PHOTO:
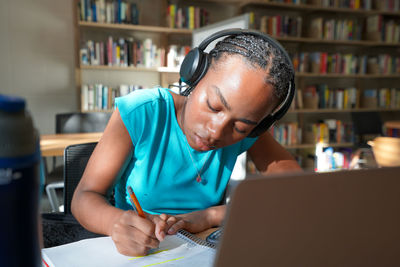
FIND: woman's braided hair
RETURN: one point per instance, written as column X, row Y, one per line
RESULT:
column 259, row 53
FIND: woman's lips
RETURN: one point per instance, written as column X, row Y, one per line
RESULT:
column 201, row 143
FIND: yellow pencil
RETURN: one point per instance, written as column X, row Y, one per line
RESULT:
column 135, row 203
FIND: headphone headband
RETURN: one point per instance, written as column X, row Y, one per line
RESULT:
column 237, row 31
column 196, row 63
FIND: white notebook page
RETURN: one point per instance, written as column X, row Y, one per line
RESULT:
column 175, row 250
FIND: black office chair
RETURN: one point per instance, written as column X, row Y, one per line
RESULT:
column 61, row 228
column 75, row 122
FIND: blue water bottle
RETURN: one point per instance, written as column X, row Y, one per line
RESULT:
column 19, row 185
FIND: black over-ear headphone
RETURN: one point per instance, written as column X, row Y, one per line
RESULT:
column 196, row 63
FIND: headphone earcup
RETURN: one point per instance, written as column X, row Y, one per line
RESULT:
column 263, row 126
column 194, row 66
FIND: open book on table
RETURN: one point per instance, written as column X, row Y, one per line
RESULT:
column 182, row 249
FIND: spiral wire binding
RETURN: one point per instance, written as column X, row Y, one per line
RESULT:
column 196, row 239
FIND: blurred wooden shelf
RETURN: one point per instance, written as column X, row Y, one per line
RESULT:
column 335, row 42
column 131, row 27
column 318, row 8
column 120, row 68
column 332, row 110
column 339, row 75
column 307, row 146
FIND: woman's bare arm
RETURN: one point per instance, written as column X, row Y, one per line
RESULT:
column 89, row 204
column 270, row 157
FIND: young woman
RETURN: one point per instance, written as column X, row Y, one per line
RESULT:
column 179, row 151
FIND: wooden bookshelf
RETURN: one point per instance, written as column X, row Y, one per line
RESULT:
column 339, row 75
column 134, row 69
column 156, row 27
column 298, row 40
column 130, row 27
column 298, row 74
column 308, row 146
column 317, row 8
column 335, row 42
column 331, row 110
column 117, row 68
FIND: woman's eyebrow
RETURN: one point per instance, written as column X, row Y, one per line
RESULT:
column 228, row 107
column 221, row 97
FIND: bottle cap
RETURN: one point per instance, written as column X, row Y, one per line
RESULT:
column 17, row 134
column 11, row 103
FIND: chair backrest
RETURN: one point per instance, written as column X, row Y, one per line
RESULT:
column 76, row 158
column 81, row 122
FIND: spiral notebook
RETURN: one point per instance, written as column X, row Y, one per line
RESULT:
column 182, row 249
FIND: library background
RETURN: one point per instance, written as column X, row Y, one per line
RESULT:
column 346, row 54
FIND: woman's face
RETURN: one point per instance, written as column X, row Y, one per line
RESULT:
column 227, row 104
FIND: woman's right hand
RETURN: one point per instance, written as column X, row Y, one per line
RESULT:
column 135, row 236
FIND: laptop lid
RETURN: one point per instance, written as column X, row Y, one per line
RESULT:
column 346, row 218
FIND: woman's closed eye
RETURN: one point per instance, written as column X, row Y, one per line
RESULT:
column 211, row 108
column 240, row 131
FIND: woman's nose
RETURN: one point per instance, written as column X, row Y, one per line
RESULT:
column 217, row 127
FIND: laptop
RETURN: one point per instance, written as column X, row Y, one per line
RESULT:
column 344, row 218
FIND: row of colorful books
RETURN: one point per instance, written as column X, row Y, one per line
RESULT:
column 281, row 25
column 323, row 62
column 327, row 131
column 388, row 5
column 331, row 131
column 286, row 133
column 188, row 17
column 384, row 5
column 289, row 1
column 384, row 64
column 381, row 98
column 336, row 29
column 126, row 52
column 391, row 132
column 380, row 29
column 353, row 4
column 321, row 96
column 100, row 97
column 116, row 11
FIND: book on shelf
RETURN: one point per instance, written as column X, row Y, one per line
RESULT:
column 391, row 128
column 286, row 133
column 320, row 96
column 329, row 131
column 374, row 27
column 310, row 97
column 281, row 25
column 387, row 5
column 124, row 52
column 352, row 4
column 289, row 1
column 186, row 17
column 339, row 63
column 335, row 29
column 336, row 98
column 316, row 28
column 103, row 11
column 99, row 97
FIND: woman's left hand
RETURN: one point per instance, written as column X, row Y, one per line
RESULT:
column 196, row 221
column 193, row 222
